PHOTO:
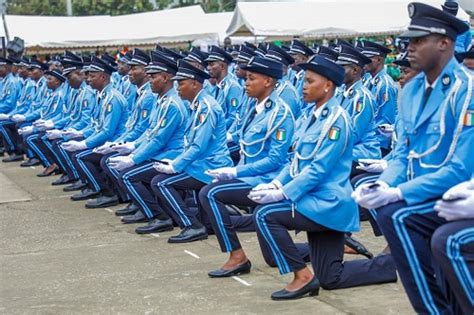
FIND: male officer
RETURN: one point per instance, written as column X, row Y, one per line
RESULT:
column 124, row 85
column 433, row 153
column 197, row 58
column 163, row 140
column 10, row 89
column 228, row 91
column 204, row 148
column 300, row 53
column 384, row 91
column 23, row 104
column 107, row 124
column 137, row 124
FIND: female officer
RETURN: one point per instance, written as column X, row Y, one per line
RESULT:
column 312, row 194
column 265, row 138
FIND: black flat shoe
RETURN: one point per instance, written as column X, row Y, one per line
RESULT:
column 312, row 288
column 77, row 185
column 102, row 202
column 189, row 234
column 13, row 158
column 63, row 180
column 138, row 217
column 130, row 209
column 154, row 226
column 85, row 194
column 30, row 162
column 237, row 270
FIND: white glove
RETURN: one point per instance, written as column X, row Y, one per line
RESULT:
column 73, row 145
column 457, row 209
column 4, row 116
column 372, row 166
column 275, row 184
column 461, row 190
column 38, row 122
column 121, row 162
column 53, row 134
column 266, row 196
column 72, row 133
column 48, row 124
column 386, row 130
column 106, row 148
column 164, row 168
column 229, row 137
column 18, row 118
column 223, row 173
column 124, row 148
column 26, row 130
column 373, row 198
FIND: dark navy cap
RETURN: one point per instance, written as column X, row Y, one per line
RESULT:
column 24, row 62
column 70, row 56
column 426, row 20
column 259, row 52
column 298, row 47
column 245, row 54
column 71, row 66
column 15, row 60
column 339, row 43
column 160, row 62
column 372, row 49
column 57, row 74
column 402, row 60
column 109, row 59
column 5, row 61
column 280, row 55
column 139, row 58
column 175, row 55
column 314, row 47
column 263, row 47
column 249, row 45
column 219, row 54
column 326, row 68
column 265, row 66
column 35, row 63
column 451, row 7
column 465, row 55
column 188, row 72
column 125, row 58
column 327, row 53
column 351, row 55
column 196, row 55
column 100, row 65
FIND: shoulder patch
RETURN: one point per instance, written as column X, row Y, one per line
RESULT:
column 334, row 133
column 202, row 117
column 234, row 102
column 281, row 134
column 469, row 118
column 109, row 108
column 163, row 122
column 144, row 113
column 359, row 107
column 446, row 80
column 268, row 104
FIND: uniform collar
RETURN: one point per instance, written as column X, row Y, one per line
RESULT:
column 261, row 106
column 168, row 93
column 195, row 103
column 222, row 84
column 376, row 77
column 143, row 88
column 349, row 91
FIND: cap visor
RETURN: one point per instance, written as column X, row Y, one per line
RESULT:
column 414, row 34
column 180, row 78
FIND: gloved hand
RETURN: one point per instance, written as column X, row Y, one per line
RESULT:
column 53, row 134
column 72, row 133
column 275, row 184
column 386, row 130
column 372, row 166
column 461, row 190
column 459, row 209
column 229, row 137
column 124, row 148
column 106, row 148
column 164, row 168
column 266, row 196
column 4, row 116
column 48, row 124
column 18, row 118
column 73, row 145
column 25, row 131
column 121, row 162
column 372, row 198
column 223, row 173
column 38, row 122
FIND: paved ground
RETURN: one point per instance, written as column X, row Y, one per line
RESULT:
column 56, row 257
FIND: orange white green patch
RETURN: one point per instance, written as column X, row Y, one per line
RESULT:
column 334, row 133
column 359, row 107
column 109, row 108
column 281, row 134
column 202, row 118
column 163, row 122
column 469, row 118
column 144, row 113
column 234, row 102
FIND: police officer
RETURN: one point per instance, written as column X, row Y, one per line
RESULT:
column 433, row 153
column 205, row 148
column 464, row 40
column 107, row 124
column 384, row 91
column 468, row 59
column 228, row 90
column 163, row 140
column 197, row 58
column 301, row 54
column 265, row 138
column 7, row 126
column 312, row 194
column 124, row 85
column 10, row 90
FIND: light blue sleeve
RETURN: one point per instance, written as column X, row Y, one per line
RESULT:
column 107, row 131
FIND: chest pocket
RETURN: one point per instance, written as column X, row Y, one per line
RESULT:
column 433, row 128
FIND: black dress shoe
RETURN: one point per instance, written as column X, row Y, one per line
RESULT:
column 30, row 162
column 138, row 217
column 77, row 185
column 128, row 210
column 13, row 158
column 188, row 234
column 312, row 288
column 102, row 202
column 50, row 170
column 85, row 194
column 357, row 246
column 63, row 180
column 154, row 226
column 237, row 270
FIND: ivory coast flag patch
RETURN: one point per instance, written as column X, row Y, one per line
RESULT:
column 109, row 108
column 144, row 113
column 234, row 102
column 202, row 118
column 281, row 134
column 359, row 107
column 163, row 122
column 334, row 133
column 469, row 118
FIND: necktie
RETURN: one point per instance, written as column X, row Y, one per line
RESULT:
column 426, row 96
column 311, row 121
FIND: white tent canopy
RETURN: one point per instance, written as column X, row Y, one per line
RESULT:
column 167, row 26
column 323, row 18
